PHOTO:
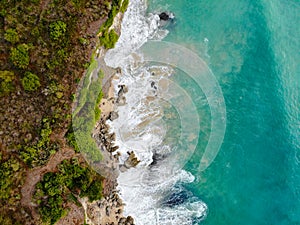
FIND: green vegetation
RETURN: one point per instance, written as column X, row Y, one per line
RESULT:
column 8, row 169
column 20, row 56
column 7, row 76
column 39, row 153
column 11, row 35
column 124, row 6
column 57, row 30
column 4, row 219
column 6, row 82
column 109, row 39
column 30, row 82
column 83, row 41
column 45, row 48
column 72, row 140
column 72, row 179
column 87, row 113
column 12, row 175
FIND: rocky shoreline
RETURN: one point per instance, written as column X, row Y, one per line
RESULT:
column 108, row 210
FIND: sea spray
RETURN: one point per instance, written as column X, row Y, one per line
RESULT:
column 136, row 29
column 141, row 127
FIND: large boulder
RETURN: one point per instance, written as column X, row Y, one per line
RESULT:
column 164, row 16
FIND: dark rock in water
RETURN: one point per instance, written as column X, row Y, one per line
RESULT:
column 113, row 115
column 131, row 161
column 156, row 157
column 164, row 16
column 176, row 199
column 153, row 85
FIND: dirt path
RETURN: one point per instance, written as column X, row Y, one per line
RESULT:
column 34, row 176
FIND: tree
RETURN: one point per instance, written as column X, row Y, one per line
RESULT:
column 7, row 76
column 108, row 40
column 30, row 82
column 20, row 56
column 11, row 36
column 6, row 82
column 57, row 30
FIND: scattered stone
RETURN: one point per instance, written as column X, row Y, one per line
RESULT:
column 107, row 210
column 131, row 161
column 115, row 148
column 113, row 115
column 121, row 101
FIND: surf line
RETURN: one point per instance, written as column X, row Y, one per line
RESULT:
column 189, row 62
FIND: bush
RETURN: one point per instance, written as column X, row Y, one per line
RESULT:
column 71, row 179
column 6, row 85
column 72, row 140
column 39, row 153
column 30, row 82
column 124, row 6
column 57, row 30
column 11, row 36
column 94, row 191
column 83, row 41
column 108, row 40
column 10, row 172
column 20, row 56
column 7, row 76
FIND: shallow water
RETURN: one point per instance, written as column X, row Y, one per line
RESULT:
column 252, row 49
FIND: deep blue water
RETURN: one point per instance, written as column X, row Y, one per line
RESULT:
column 253, row 49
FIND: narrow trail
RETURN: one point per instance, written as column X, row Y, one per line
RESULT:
column 33, row 176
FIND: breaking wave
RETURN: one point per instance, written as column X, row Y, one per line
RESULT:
column 159, row 122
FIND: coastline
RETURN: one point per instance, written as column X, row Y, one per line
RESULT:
column 108, row 210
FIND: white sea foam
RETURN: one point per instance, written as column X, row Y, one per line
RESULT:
column 137, row 28
column 141, row 128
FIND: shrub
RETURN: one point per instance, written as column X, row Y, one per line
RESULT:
column 20, row 56
column 124, row 6
column 71, row 179
column 30, row 82
column 6, row 85
column 94, row 191
column 83, row 41
column 11, row 36
column 108, row 40
column 57, row 30
column 7, row 76
column 39, row 153
column 72, row 140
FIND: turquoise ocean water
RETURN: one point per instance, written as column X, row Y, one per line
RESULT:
column 253, row 49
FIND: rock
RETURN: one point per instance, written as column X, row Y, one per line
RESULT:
column 123, row 89
column 119, row 211
column 119, row 203
column 112, row 116
column 131, row 161
column 113, row 137
column 129, row 220
column 122, row 220
column 121, row 101
column 122, row 168
column 115, row 148
column 164, row 16
column 107, row 210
